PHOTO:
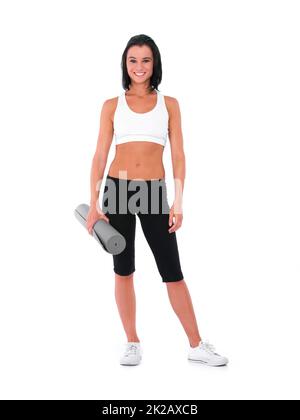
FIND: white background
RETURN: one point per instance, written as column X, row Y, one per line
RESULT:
column 234, row 68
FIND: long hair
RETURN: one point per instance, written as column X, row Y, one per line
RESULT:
column 156, row 77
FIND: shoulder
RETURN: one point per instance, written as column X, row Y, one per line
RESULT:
column 109, row 106
column 110, row 103
column 172, row 105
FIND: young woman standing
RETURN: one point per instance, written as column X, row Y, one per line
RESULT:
column 142, row 119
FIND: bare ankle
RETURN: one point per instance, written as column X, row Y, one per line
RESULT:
column 133, row 339
column 195, row 343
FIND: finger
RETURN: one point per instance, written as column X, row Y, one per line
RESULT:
column 177, row 224
column 173, row 228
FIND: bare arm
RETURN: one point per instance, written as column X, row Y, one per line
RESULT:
column 178, row 162
column 100, row 156
column 177, row 151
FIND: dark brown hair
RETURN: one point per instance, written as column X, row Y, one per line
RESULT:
column 156, row 77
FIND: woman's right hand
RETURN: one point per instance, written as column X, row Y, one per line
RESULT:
column 95, row 213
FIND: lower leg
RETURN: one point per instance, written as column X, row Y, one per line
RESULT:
column 125, row 299
column 181, row 302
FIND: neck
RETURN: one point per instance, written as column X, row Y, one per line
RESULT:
column 139, row 90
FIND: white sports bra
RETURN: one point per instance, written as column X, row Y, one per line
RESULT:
column 149, row 126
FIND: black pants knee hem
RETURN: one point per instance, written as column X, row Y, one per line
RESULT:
column 172, row 281
column 124, row 273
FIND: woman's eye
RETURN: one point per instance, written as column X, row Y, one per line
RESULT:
column 133, row 61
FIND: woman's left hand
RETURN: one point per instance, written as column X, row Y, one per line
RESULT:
column 177, row 214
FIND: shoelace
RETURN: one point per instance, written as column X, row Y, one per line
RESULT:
column 209, row 347
column 131, row 349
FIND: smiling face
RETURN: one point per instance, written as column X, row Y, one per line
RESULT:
column 140, row 64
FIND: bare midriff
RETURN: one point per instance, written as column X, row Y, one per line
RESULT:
column 138, row 160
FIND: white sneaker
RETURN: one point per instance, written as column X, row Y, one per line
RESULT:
column 132, row 354
column 204, row 353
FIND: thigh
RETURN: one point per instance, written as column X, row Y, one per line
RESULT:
column 163, row 244
column 124, row 263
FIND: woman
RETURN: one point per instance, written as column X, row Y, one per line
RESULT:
column 142, row 118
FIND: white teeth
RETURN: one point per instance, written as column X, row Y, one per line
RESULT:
column 140, row 74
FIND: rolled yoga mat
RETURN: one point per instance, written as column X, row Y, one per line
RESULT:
column 109, row 238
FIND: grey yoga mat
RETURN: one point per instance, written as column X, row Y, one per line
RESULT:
column 109, row 238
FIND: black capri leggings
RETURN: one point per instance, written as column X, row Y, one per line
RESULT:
column 122, row 200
